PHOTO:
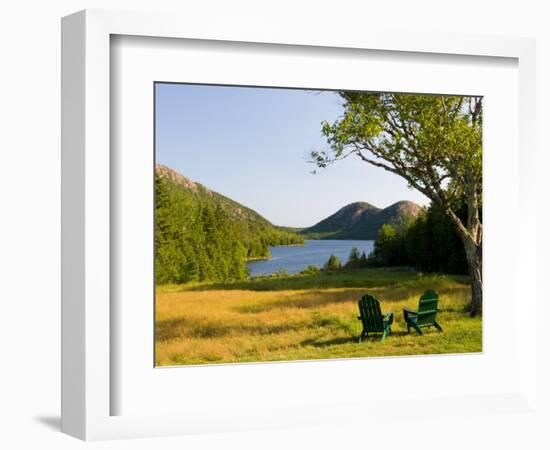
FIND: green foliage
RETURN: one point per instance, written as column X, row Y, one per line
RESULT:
column 333, row 263
column 354, row 259
column 388, row 246
column 429, row 244
column 405, row 278
column 203, row 236
column 310, row 270
column 432, row 141
column 194, row 241
column 364, row 260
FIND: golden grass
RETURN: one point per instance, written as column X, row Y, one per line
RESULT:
column 201, row 326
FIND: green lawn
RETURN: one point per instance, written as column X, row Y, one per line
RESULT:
column 306, row 317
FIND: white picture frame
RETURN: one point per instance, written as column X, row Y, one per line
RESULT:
column 88, row 329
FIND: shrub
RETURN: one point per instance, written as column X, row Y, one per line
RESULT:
column 354, row 259
column 310, row 270
column 333, row 263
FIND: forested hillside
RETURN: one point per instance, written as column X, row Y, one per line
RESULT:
column 429, row 244
column 201, row 235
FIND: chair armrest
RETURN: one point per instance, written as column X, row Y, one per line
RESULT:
column 410, row 311
column 389, row 317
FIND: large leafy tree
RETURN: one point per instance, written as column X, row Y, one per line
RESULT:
column 433, row 142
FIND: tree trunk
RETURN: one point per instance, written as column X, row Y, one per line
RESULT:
column 472, row 237
column 475, row 261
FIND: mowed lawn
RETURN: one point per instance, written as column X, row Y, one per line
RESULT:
column 306, row 317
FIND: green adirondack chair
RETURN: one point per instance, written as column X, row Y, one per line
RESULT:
column 372, row 318
column 426, row 314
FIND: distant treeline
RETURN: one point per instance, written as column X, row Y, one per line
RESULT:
column 198, row 240
column 429, row 244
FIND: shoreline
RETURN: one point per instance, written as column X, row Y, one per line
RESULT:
column 265, row 258
column 258, row 258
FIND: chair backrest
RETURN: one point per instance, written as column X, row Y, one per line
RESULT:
column 371, row 315
column 427, row 308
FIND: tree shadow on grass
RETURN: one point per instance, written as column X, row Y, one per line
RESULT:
column 167, row 330
column 360, row 278
column 372, row 337
column 400, row 333
column 351, row 278
column 310, row 299
column 328, row 343
column 350, row 340
column 319, row 297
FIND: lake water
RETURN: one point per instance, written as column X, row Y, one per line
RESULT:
column 313, row 252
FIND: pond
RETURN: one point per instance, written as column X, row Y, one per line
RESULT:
column 294, row 259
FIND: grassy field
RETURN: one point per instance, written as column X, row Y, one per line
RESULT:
column 306, row 317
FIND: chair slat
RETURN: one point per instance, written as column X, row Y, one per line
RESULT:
column 371, row 316
column 426, row 314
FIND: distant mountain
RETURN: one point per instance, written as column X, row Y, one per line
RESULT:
column 361, row 220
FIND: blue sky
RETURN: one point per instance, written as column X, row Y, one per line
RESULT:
column 253, row 145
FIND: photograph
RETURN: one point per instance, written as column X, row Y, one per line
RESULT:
column 296, row 224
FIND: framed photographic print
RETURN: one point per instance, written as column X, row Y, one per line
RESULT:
column 299, row 267
column 281, row 225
